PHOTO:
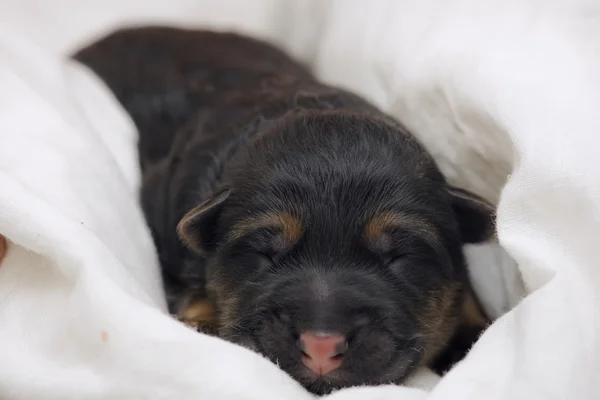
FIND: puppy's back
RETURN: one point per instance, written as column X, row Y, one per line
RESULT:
column 164, row 76
column 197, row 98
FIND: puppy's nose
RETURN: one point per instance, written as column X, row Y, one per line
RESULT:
column 322, row 353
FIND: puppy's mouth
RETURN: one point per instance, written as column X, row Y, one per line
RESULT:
column 350, row 371
column 321, row 386
column 394, row 372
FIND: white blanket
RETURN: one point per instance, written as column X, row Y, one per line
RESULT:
column 493, row 87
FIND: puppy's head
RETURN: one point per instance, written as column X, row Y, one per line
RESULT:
column 335, row 249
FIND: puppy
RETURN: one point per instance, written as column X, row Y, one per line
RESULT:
column 291, row 217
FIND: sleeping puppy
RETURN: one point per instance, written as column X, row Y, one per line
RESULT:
column 292, row 217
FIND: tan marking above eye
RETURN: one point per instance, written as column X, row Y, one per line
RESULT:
column 291, row 227
column 382, row 222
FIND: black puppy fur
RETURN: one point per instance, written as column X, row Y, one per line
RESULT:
column 301, row 206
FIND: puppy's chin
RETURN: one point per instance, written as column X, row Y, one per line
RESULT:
column 389, row 364
column 322, row 385
column 401, row 370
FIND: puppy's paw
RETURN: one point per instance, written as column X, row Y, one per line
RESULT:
column 198, row 314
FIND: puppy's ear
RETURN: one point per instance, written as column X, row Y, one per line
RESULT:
column 197, row 228
column 475, row 216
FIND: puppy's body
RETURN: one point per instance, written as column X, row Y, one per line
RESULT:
column 196, row 98
column 310, row 214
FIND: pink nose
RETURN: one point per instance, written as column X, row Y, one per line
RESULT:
column 322, row 353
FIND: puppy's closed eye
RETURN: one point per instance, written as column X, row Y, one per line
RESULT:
column 264, row 261
column 397, row 264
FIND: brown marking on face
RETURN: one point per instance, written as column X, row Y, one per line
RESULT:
column 439, row 318
column 291, row 227
column 104, row 336
column 471, row 323
column 3, row 247
column 381, row 223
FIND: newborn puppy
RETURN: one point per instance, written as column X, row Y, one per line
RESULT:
column 294, row 218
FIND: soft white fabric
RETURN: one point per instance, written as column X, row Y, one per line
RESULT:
column 492, row 87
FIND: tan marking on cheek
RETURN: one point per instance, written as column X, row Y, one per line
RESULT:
column 382, row 222
column 291, row 227
column 439, row 319
column 104, row 336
